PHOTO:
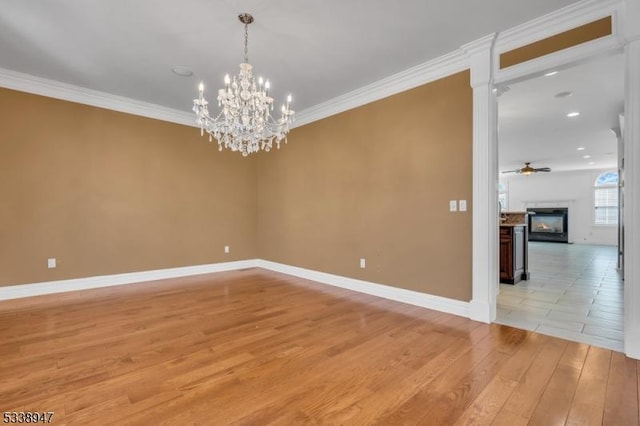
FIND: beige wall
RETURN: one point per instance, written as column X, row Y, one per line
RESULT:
column 375, row 182
column 106, row 192
column 582, row 34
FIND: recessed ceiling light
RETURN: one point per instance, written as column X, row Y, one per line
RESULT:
column 573, row 114
column 550, row 73
column 591, row 163
column 586, row 156
column 563, row 95
column 182, row 71
column 580, row 148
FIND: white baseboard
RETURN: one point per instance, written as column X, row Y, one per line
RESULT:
column 482, row 311
column 61, row 286
column 415, row 298
column 437, row 303
column 632, row 343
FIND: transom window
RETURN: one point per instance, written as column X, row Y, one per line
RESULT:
column 606, row 198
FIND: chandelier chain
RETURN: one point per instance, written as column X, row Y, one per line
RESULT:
column 246, row 43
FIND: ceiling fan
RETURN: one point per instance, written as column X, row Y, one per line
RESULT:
column 528, row 170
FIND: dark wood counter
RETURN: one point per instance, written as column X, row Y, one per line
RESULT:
column 514, row 253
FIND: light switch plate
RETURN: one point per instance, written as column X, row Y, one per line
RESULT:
column 463, row 205
column 453, row 206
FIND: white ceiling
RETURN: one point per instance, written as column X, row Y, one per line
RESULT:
column 315, row 49
column 533, row 124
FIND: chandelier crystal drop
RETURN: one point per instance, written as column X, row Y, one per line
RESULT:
column 245, row 122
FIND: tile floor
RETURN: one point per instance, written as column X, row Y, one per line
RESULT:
column 575, row 292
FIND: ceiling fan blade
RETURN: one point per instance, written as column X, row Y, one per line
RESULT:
column 543, row 169
column 512, row 171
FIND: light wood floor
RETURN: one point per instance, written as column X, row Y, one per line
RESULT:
column 256, row 347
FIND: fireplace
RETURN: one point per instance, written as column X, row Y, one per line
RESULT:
column 549, row 224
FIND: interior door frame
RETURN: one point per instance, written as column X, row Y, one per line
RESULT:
column 485, row 144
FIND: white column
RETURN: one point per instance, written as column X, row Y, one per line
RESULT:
column 485, row 182
column 631, row 207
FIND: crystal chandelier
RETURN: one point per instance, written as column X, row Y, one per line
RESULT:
column 244, row 122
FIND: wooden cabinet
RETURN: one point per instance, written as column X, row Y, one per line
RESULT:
column 513, row 254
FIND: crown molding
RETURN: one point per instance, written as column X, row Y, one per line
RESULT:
column 537, row 29
column 68, row 92
column 408, row 79
column 480, row 45
column 481, row 59
column 561, row 20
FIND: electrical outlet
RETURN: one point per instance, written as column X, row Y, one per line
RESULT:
column 453, row 206
column 51, row 263
column 363, row 263
column 463, row 205
column 226, row 249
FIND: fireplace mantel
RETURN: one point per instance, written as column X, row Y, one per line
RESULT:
column 548, row 203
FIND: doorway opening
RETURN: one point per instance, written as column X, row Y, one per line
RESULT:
column 566, row 120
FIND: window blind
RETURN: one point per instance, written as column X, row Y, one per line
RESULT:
column 606, row 205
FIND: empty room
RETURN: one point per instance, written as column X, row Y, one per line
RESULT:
column 291, row 213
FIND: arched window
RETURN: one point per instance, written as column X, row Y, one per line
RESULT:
column 606, row 198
